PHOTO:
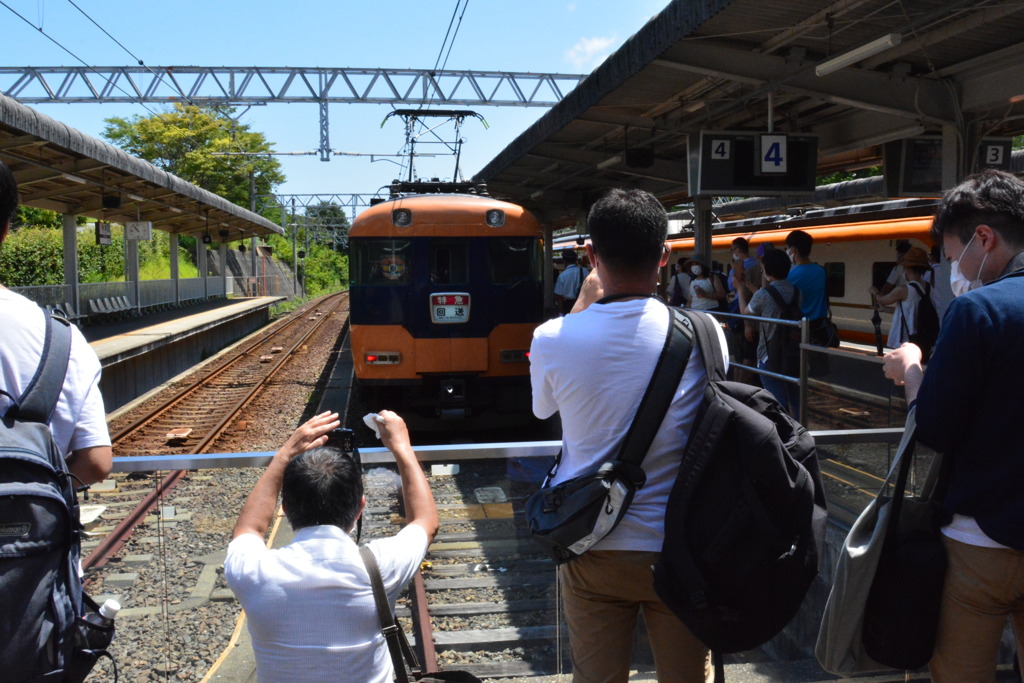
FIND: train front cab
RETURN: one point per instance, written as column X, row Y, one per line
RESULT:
column 443, row 309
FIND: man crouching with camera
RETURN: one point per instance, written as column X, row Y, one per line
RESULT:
column 309, row 604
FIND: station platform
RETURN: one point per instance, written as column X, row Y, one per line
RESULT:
column 141, row 353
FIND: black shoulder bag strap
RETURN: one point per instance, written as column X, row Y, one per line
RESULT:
column 398, row 646
column 657, row 398
column 40, row 397
column 783, row 305
column 661, row 390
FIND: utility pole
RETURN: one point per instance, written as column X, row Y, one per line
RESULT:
column 295, row 254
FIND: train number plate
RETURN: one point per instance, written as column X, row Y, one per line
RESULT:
column 449, row 307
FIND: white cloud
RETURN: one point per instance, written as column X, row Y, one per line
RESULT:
column 586, row 54
column 571, row 7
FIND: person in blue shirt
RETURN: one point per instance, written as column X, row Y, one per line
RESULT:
column 969, row 405
column 810, row 279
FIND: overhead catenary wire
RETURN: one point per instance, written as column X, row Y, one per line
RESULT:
column 84, row 63
column 141, row 63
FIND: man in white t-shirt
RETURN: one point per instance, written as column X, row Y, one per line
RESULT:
column 79, row 423
column 593, row 367
column 310, row 605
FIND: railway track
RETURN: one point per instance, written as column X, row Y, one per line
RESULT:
column 193, row 419
column 486, row 600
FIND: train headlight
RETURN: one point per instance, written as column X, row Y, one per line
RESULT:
column 495, row 218
column 402, row 218
column 383, row 358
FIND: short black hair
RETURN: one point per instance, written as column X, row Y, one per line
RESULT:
column 801, row 241
column 776, row 264
column 741, row 244
column 628, row 229
column 569, row 255
column 8, row 197
column 902, row 247
column 992, row 197
column 322, row 486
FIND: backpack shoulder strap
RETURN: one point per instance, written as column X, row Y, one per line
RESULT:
column 662, row 388
column 707, row 341
column 38, row 401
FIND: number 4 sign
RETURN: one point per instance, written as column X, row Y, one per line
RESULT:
column 773, row 153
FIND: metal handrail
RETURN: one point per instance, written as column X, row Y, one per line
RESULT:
column 805, row 338
column 453, row 453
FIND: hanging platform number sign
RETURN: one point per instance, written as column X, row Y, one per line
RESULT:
column 449, row 307
column 774, row 154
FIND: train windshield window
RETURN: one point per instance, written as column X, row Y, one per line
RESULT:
column 835, row 280
column 381, row 262
column 512, row 260
column 449, row 262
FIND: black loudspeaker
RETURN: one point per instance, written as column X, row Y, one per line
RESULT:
column 640, row 157
column 111, row 202
column 207, row 239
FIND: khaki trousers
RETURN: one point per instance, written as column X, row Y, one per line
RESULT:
column 603, row 592
column 983, row 587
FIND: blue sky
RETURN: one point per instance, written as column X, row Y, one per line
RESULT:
column 523, row 35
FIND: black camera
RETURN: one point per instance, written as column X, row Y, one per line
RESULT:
column 345, row 441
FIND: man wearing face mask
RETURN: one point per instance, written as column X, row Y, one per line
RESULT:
column 969, row 405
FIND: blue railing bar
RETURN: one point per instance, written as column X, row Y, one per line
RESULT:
column 445, row 453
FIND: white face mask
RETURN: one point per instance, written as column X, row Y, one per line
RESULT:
column 695, row 270
column 957, row 281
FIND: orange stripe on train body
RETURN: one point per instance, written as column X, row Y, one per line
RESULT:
column 439, row 355
column 892, row 228
column 447, row 215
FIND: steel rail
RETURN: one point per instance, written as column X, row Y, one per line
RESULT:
column 189, row 390
column 112, row 543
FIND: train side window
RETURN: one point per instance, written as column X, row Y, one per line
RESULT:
column 511, row 260
column 381, row 262
column 449, row 262
column 835, row 279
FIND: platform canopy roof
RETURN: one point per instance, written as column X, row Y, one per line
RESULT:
column 725, row 64
column 64, row 170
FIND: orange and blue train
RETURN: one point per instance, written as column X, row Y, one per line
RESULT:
column 446, row 290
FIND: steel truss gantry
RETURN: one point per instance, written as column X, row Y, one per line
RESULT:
column 254, row 85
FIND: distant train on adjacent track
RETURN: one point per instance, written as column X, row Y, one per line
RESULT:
column 446, row 290
column 855, row 245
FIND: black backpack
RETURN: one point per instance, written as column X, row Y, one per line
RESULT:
column 927, row 321
column 784, row 342
column 745, row 521
column 43, row 633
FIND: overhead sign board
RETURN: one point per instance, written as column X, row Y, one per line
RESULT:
column 103, row 234
column 750, row 164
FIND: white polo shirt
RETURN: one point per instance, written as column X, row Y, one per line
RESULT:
column 310, row 606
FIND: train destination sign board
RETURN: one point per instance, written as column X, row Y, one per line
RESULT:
column 449, row 307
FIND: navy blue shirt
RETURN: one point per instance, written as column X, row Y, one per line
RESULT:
column 971, row 405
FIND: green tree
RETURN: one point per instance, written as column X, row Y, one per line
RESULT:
column 35, row 256
column 183, row 141
column 840, row 176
